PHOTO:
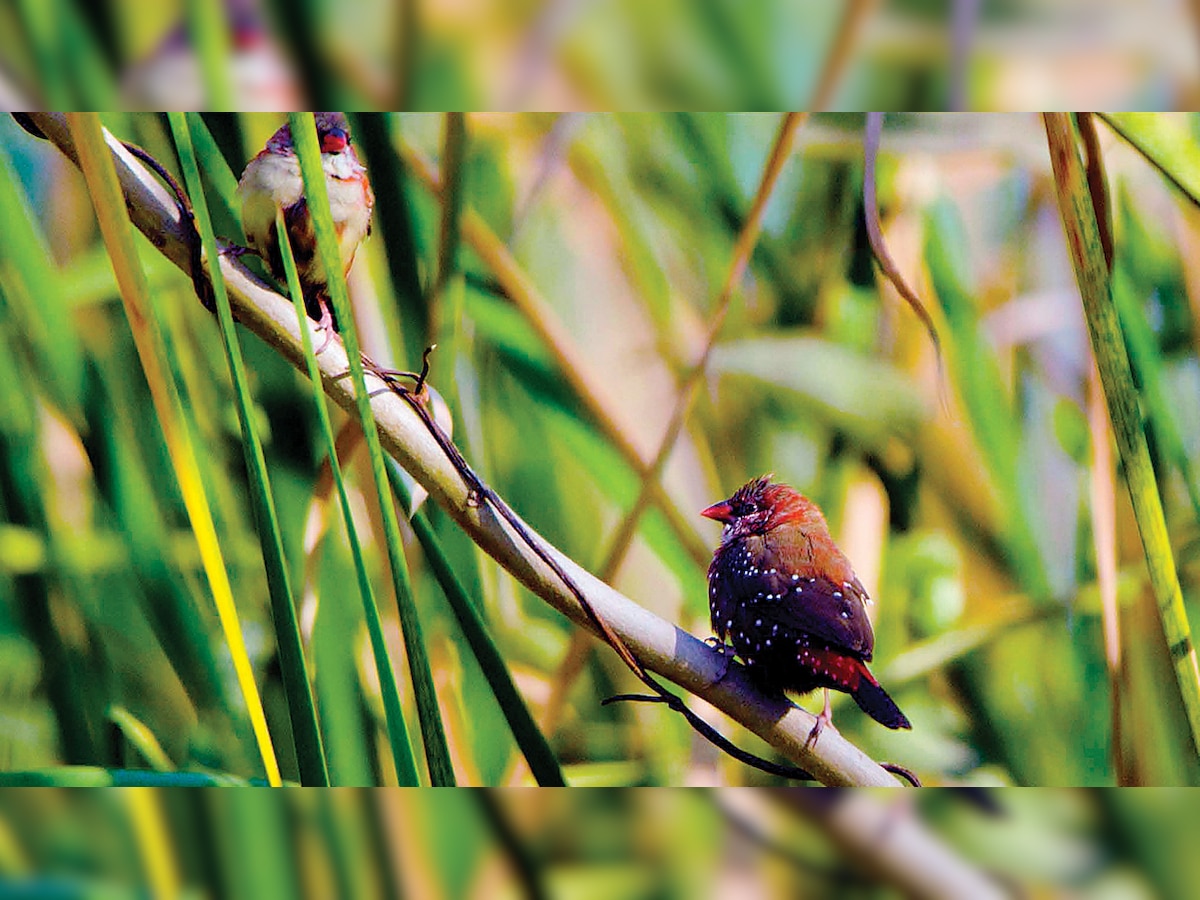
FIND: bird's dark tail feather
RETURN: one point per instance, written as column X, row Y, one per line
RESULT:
column 874, row 701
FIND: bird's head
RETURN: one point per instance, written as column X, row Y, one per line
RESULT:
column 760, row 506
column 333, row 131
column 333, row 134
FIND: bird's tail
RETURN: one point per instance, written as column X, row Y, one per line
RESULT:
column 875, row 702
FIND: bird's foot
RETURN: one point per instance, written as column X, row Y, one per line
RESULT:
column 819, row 726
column 387, row 376
column 824, row 720
column 725, row 651
column 326, row 325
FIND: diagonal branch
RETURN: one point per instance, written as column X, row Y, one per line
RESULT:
column 657, row 644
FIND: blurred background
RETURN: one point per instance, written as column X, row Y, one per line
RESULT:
column 582, row 845
column 569, row 275
column 600, row 54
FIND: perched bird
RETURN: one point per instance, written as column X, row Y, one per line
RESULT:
column 272, row 181
column 787, row 599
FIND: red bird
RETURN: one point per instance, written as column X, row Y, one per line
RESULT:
column 272, row 181
column 786, row 597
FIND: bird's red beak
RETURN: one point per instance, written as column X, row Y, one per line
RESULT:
column 722, row 512
column 334, row 141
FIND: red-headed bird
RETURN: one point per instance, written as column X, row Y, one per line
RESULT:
column 272, row 181
column 787, row 599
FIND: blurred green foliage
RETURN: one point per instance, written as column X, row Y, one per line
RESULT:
column 616, row 54
column 964, row 505
column 589, row 844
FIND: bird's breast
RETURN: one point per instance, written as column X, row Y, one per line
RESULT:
column 272, row 175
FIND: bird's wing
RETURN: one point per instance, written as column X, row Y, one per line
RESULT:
column 788, row 592
column 814, row 605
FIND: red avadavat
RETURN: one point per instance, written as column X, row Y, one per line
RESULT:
column 787, row 599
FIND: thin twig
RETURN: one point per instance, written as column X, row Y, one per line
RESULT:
column 841, row 50
column 874, row 131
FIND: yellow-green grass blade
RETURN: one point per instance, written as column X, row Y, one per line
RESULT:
column 171, row 599
column 152, row 836
column 536, row 749
column 92, row 82
column 41, row 32
column 208, row 29
column 310, row 752
column 142, row 738
column 94, row 776
column 107, row 198
column 977, row 376
column 254, row 848
column 217, row 172
column 1167, row 141
column 35, row 298
column 1148, row 364
column 401, row 745
column 304, row 136
column 394, row 226
column 1108, row 344
column 70, row 67
column 22, row 477
column 454, row 144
